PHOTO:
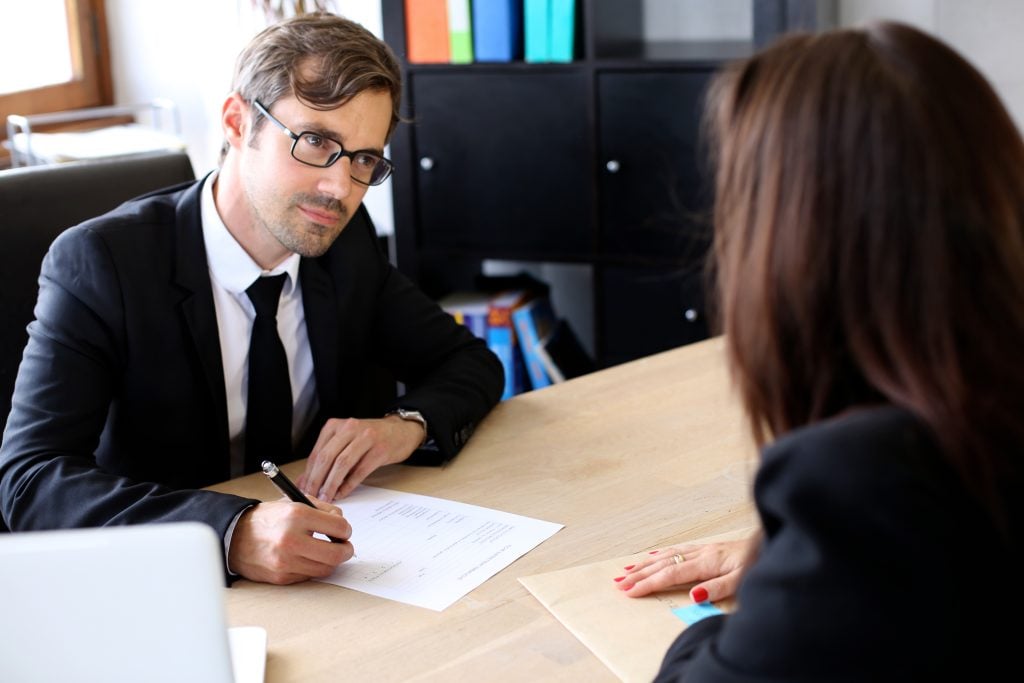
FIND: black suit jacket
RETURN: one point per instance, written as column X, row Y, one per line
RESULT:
column 119, row 410
column 876, row 566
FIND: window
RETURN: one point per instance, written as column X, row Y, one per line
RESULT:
column 55, row 57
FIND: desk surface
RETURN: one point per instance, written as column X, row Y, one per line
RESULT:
column 628, row 459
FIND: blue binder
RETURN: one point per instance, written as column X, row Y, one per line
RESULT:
column 497, row 30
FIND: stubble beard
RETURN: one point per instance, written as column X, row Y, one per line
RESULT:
column 299, row 234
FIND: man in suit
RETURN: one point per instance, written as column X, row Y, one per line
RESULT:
column 149, row 372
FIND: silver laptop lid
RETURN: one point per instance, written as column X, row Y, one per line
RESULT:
column 133, row 603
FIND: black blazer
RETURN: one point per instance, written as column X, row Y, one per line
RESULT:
column 119, row 410
column 876, row 566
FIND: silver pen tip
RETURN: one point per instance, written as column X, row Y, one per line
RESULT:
column 269, row 468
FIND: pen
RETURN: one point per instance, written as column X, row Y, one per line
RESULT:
column 285, row 486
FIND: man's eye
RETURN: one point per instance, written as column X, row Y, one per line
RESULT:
column 364, row 160
column 312, row 140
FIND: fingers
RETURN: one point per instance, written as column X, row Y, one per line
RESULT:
column 361, row 471
column 713, row 571
column 355, row 454
column 659, row 575
column 348, row 451
column 718, row 588
column 319, row 464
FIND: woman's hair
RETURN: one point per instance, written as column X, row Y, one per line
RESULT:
column 322, row 59
column 869, row 240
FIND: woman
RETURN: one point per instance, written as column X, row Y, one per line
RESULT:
column 870, row 260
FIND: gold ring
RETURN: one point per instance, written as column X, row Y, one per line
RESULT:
column 678, row 558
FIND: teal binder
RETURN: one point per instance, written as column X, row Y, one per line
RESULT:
column 537, row 34
column 561, row 29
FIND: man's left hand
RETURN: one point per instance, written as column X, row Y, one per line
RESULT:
column 348, row 450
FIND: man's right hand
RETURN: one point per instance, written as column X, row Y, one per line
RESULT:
column 273, row 542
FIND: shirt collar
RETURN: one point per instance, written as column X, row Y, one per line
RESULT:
column 229, row 263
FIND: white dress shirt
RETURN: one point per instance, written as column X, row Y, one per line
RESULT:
column 232, row 270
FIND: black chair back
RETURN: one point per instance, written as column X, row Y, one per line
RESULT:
column 37, row 203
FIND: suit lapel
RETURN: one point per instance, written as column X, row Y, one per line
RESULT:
column 323, row 326
column 193, row 276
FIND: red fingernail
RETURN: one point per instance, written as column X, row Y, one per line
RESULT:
column 629, row 568
column 654, row 552
column 699, row 594
column 618, row 578
column 628, row 586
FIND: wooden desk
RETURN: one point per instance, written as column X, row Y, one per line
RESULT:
column 628, row 459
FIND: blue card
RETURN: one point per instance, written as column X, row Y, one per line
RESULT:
column 691, row 614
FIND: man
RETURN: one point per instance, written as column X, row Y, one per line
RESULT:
column 139, row 384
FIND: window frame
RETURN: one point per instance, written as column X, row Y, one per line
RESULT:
column 91, row 85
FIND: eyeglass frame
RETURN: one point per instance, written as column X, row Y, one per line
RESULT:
column 295, row 137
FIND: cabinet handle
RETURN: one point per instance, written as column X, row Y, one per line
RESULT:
column 426, row 163
column 613, row 165
column 691, row 315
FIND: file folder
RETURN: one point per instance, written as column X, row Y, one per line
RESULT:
column 426, row 31
column 537, row 22
column 497, row 30
column 562, row 22
column 460, row 36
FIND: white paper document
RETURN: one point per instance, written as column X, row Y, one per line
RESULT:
column 429, row 551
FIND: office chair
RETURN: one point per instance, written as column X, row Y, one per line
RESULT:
column 37, row 203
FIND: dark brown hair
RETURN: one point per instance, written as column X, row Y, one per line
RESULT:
column 343, row 58
column 869, row 240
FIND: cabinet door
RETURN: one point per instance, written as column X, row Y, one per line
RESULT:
column 648, row 310
column 504, row 163
column 655, row 184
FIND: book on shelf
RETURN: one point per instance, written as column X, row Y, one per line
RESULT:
column 561, row 25
column 502, row 340
column 426, row 31
column 534, row 320
column 562, row 354
column 497, row 30
column 460, row 32
column 469, row 309
column 550, row 30
column 537, row 30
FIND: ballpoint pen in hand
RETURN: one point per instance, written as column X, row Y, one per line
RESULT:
column 285, row 486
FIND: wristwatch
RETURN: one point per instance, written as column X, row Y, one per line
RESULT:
column 412, row 416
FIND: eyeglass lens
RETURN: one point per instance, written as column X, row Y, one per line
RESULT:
column 317, row 150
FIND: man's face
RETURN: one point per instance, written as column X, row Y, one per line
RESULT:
column 303, row 207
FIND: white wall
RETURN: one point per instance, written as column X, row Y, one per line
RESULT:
column 986, row 32
column 698, row 20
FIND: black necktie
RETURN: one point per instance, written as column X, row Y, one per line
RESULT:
column 268, row 415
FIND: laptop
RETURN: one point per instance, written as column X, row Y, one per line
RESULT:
column 129, row 603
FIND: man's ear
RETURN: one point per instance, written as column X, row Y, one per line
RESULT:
column 234, row 120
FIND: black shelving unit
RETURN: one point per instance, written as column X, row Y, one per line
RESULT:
column 597, row 162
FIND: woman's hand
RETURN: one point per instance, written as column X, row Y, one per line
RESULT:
column 715, row 568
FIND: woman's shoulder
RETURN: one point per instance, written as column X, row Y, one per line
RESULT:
column 884, row 455
column 861, row 439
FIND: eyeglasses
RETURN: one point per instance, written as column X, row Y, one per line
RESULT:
column 314, row 149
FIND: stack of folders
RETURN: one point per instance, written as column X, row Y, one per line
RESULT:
column 535, row 347
column 464, row 31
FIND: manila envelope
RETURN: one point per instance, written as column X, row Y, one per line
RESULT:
column 629, row 635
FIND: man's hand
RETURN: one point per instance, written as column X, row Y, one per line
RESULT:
column 348, row 450
column 273, row 542
column 716, row 568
